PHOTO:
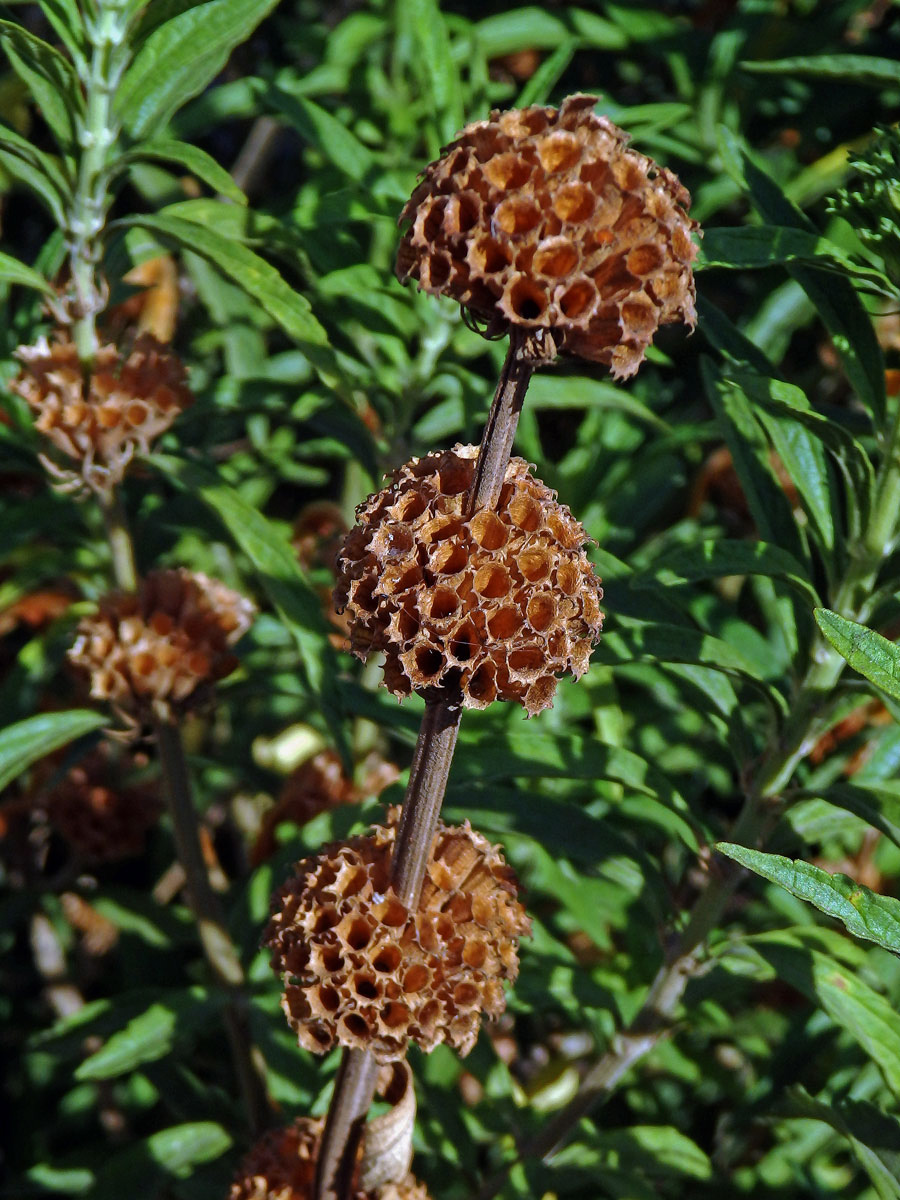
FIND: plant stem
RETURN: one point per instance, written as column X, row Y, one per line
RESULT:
column 221, row 955
column 809, row 718
column 425, row 794
column 355, row 1083
column 500, row 430
column 354, row 1087
column 98, row 131
column 120, row 544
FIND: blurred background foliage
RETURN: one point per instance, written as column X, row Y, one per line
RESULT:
column 776, row 1081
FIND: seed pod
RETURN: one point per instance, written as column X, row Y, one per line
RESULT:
column 542, row 218
column 498, row 604
column 282, row 1166
column 127, row 402
column 361, row 971
column 102, row 819
column 150, row 654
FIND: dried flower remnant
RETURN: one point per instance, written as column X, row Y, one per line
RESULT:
column 282, row 1166
column 102, row 818
column 542, row 218
column 126, row 402
column 361, row 971
column 155, row 652
column 497, row 605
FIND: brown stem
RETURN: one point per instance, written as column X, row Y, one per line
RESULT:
column 500, row 430
column 218, row 947
column 425, row 794
column 355, row 1083
column 354, row 1088
column 119, row 537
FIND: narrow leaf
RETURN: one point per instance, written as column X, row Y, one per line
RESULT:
column 13, row 271
column 848, row 68
column 865, row 650
column 257, row 278
column 25, row 742
column 863, row 912
column 49, row 78
column 835, row 298
column 320, row 129
column 179, row 58
column 713, row 559
column 197, row 161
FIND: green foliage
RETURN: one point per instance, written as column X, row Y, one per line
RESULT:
column 743, row 493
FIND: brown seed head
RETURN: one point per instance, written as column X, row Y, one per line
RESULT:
column 127, row 402
column 282, row 1166
column 149, row 653
column 361, row 971
column 542, row 218
column 500, row 603
column 99, row 816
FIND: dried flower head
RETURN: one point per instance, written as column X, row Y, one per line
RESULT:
column 281, row 1165
column 126, row 402
column 542, row 218
column 150, row 653
column 498, row 604
column 360, row 970
column 101, row 817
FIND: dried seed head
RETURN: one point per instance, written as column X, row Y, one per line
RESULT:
column 541, row 218
column 150, row 653
column 282, row 1166
column 361, row 971
column 127, row 402
column 102, row 819
column 500, row 603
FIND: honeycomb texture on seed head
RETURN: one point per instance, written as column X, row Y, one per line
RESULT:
column 498, row 604
column 543, row 218
column 361, row 971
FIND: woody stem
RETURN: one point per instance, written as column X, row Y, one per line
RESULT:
column 355, row 1083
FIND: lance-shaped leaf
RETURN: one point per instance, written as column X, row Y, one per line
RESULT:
column 865, row 650
column 35, row 737
column 863, row 912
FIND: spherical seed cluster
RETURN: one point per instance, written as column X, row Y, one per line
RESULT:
column 282, row 1166
column 500, row 603
column 127, row 402
column 100, row 819
column 360, row 970
column 542, row 218
column 150, row 652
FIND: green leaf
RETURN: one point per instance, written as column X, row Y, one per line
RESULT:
column 538, row 88
column 13, row 271
column 713, row 559
column 580, row 391
column 835, row 298
column 864, row 913
column 257, row 278
column 848, row 68
column 876, row 803
column 280, row 574
column 179, row 58
column 42, row 172
column 153, row 1034
column 866, row 1015
column 751, row 457
column 873, row 1135
column 657, row 1147
column 320, row 129
column 865, row 650
column 507, row 32
column 754, row 247
column 197, row 161
column 68, row 25
column 49, row 78
column 434, row 64
column 137, row 1171
column 25, row 742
